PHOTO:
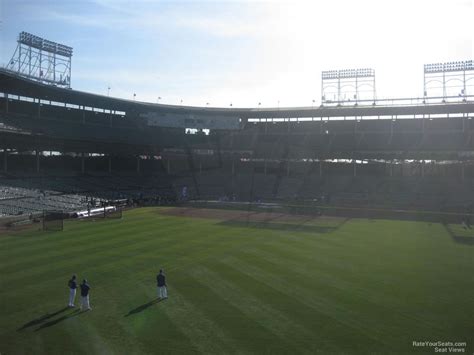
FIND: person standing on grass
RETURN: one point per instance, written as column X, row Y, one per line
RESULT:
column 72, row 284
column 161, row 283
column 85, row 296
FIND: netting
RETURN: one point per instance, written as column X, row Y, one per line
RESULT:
column 53, row 220
column 113, row 213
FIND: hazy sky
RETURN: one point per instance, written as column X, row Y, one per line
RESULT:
column 243, row 52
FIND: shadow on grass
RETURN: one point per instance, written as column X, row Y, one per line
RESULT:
column 458, row 238
column 41, row 319
column 143, row 307
column 75, row 313
column 280, row 226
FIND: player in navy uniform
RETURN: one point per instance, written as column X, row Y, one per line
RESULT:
column 85, row 296
column 72, row 284
column 161, row 283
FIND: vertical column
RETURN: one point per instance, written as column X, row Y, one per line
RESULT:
column 444, row 85
column 322, row 94
column 357, row 88
column 391, row 131
column 69, row 76
column 29, row 60
column 375, row 92
column 19, row 58
column 464, row 93
column 338, row 88
column 5, row 163
column 37, row 161
column 40, row 61
column 54, row 66
column 425, row 93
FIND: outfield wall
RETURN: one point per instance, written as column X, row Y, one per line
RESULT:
column 336, row 211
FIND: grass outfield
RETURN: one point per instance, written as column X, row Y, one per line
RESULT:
column 362, row 286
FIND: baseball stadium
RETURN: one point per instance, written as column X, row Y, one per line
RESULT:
column 338, row 228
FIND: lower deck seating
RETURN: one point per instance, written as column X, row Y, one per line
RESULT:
column 26, row 195
column 32, row 194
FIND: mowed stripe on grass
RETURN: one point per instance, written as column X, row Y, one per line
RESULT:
column 368, row 286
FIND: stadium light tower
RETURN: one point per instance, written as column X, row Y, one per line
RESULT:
column 358, row 84
column 448, row 79
column 39, row 59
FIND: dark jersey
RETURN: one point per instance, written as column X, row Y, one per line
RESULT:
column 84, row 290
column 160, row 280
column 72, row 284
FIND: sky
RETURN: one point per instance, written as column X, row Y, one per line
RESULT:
column 218, row 53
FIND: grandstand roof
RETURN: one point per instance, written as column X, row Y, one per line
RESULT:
column 14, row 84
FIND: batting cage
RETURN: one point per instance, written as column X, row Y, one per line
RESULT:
column 53, row 220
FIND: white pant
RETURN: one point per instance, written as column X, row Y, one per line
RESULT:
column 85, row 302
column 72, row 296
column 162, row 293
